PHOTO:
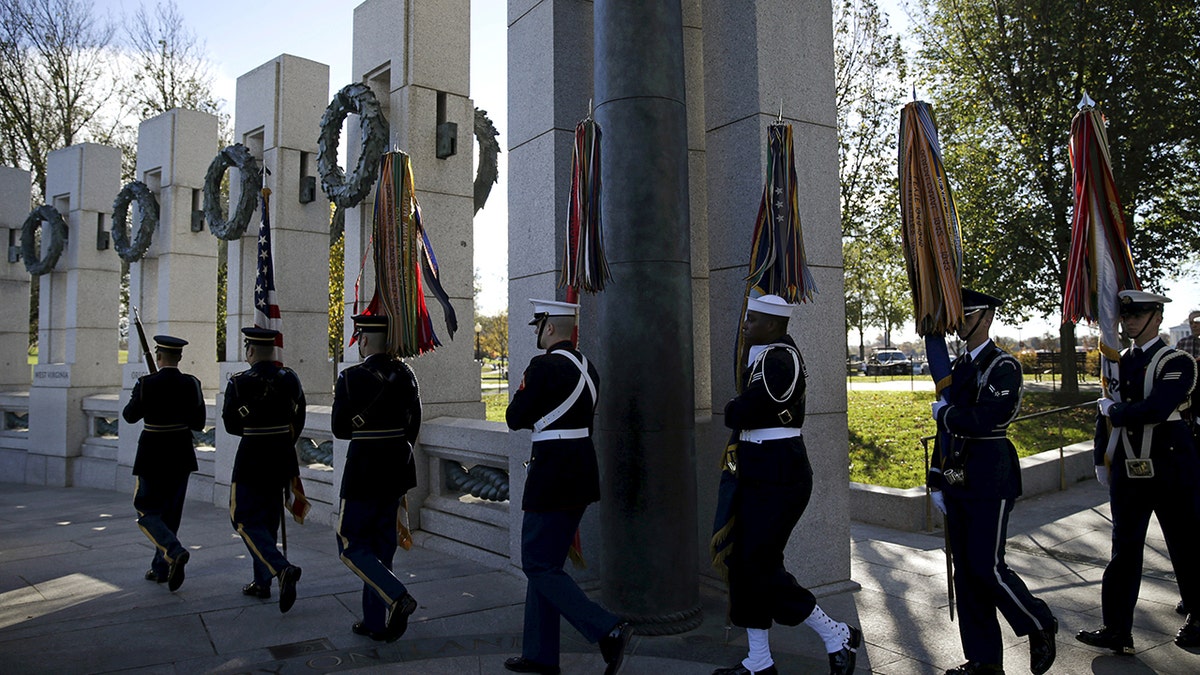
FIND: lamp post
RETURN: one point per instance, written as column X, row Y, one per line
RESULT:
column 478, row 330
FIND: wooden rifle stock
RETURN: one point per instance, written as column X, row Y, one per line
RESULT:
column 149, row 358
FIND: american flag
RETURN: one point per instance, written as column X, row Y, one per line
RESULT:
column 266, row 306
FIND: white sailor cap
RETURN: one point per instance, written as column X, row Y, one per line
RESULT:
column 1134, row 302
column 770, row 304
column 547, row 308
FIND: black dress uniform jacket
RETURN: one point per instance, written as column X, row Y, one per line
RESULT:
column 371, row 399
column 984, row 397
column 563, row 473
column 265, row 396
column 1172, row 384
column 756, row 408
column 171, row 400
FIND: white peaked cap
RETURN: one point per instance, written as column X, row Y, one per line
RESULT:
column 769, row 304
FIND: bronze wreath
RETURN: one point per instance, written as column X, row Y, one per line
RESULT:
column 347, row 191
column 147, row 221
column 34, row 263
column 235, row 155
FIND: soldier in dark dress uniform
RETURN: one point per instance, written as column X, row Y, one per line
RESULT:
column 772, row 482
column 975, row 478
column 376, row 404
column 172, row 404
column 1145, row 456
column 557, row 399
column 265, row 406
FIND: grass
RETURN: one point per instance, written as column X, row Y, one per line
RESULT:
column 495, row 404
column 886, row 429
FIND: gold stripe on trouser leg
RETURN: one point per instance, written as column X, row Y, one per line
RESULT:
column 242, row 533
column 345, row 545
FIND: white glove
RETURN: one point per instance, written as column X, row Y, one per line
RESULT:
column 937, row 406
column 1104, row 404
column 939, row 500
column 1102, row 472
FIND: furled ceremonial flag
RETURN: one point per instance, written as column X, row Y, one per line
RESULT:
column 402, row 254
column 1100, row 263
column 584, row 265
column 931, row 236
column 266, row 306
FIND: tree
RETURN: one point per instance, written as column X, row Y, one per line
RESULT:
column 54, row 78
column 869, row 66
column 493, row 339
column 1005, row 76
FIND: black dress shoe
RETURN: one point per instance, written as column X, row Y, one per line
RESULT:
column 1189, row 632
column 257, row 590
column 397, row 617
column 976, row 668
column 175, row 572
column 842, row 661
column 612, row 647
column 288, row 577
column 739, row 669
column 1107, row 638
column 1042, row 648
column 151, row 575
column 1181, row 609
column 520, row 664
column 360, row 628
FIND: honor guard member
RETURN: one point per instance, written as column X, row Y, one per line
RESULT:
column 376, row 404
column 975, row 478
column 557, row 399
column 1145, row 456
column 773, row 484
column 265, row 406
column 173, row 406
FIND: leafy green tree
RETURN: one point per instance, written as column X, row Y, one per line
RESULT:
column 869, row 66
column 1005, row 76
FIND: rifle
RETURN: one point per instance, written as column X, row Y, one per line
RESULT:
column 137, row 321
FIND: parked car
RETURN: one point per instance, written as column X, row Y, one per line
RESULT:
column 888, row 362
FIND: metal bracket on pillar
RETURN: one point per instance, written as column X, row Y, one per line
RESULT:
column 14, row 254
column 447, row 139
column 308, row 189
column 197, row 220
column 102, row 239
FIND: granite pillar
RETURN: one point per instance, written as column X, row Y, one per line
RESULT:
column 646, row 421
column 14, row 281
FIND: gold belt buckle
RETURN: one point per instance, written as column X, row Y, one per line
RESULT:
column 1139, row 468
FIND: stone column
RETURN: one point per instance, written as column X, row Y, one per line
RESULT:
column 754, row 56
column 646, row 421
column 77, row 318
column 14, row 280
column 415, row 56
column 548, row 93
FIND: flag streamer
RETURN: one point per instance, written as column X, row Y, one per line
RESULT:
column 777, row 262
column 584, row 265
column 1100, row 263
column 402, row 256
column 266, row 304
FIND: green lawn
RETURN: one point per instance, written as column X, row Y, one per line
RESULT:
column 495, row 404
column 886, row 429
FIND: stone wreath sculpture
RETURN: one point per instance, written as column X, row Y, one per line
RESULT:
column 347, row 191
column 147, row 221
column 57, row 237
column 488, row 172
column 235, row 155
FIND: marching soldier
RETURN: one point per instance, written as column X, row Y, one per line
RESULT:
column 377, row 405
column 1149, row 464
column 557, row 399
column 265, row 406
column 975, row 478
column 771, row 484
column 172, row 404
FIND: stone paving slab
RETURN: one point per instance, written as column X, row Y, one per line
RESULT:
column 72, row 600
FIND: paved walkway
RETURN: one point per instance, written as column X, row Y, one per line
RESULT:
column 72, row 600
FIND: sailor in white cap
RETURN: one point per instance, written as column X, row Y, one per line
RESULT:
column 1144, row 453
column 557, row 399
column 773, row 482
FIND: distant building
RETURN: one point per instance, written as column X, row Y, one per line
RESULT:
column 1179, row 332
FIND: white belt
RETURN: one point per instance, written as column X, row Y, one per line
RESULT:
column 770, row 434
column 555, row 434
